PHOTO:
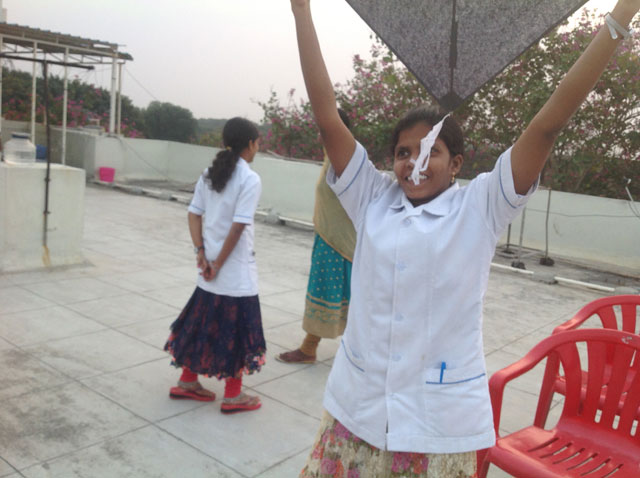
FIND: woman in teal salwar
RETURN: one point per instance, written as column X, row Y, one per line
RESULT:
column 329, row 288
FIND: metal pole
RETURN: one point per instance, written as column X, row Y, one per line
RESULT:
column 119, row 97
column 518, row 261
column 45, row 256
column 507, row 249
column 546, row 260
column 112, row 111
column 33, row 93
column 65, row 100
column 1, row 47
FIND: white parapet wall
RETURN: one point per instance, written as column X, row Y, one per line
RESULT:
column 288, row 186
column 585, row 228
column 582, row 228
column 22, row 202
column 148, row 159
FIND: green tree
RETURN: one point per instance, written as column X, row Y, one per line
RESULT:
column 598, row 149
column 292, row 129
column 85, row 102
column 211, row 138
column 169, row 122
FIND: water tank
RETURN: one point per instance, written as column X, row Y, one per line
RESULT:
column 19, row 149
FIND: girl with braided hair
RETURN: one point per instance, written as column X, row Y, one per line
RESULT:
column 219, row 332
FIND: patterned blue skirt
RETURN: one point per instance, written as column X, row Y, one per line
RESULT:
column 218, row 335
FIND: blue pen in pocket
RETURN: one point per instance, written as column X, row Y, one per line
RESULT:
column 443, row 367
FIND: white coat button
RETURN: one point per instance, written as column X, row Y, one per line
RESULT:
column 399, row 317
column 396, row 357
column 406, row 222
column 401, row 266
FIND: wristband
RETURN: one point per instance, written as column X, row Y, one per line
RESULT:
column 615, row 28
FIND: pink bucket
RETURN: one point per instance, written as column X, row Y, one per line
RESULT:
column 106, row 174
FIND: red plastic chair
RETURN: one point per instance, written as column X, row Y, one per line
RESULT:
column 588, row 440
column 603, row 308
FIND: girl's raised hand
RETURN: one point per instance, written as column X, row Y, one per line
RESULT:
column 336, row 137
column 634, row 4
column 299, row 4
column 531, row 150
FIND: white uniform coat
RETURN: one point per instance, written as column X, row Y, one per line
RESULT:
column 237, row 202
column 410, row 374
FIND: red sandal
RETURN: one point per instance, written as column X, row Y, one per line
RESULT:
column 191, row 391
column 241, row 403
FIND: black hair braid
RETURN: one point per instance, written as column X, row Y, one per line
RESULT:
column 222, row 168
column 236, row 136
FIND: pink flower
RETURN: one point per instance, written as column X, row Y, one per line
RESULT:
column 341, row 431
column 401, row 462
column 327, row 466
column 317, row 452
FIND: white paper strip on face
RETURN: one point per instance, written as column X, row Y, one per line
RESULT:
column 422, row 163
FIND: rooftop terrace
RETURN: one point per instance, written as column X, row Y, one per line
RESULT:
column 85, row 380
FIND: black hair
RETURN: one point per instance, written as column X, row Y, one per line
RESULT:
column 450, row 134
column 344, row 117
column 236, row 135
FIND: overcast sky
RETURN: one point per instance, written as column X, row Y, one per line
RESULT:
column 214, row 57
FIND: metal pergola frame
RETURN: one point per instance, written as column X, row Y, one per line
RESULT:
column 24, row 43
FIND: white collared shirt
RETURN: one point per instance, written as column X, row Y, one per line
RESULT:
column 237, row 202
column 410, row 374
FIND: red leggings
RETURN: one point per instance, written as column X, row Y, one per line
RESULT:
column 232, row 386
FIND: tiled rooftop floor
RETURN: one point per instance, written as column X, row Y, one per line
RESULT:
column 85, row 380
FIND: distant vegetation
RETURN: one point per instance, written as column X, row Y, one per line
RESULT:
column 206, row 125
column 597, row 153
column 89, row 104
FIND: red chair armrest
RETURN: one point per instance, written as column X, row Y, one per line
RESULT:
column 499, row 379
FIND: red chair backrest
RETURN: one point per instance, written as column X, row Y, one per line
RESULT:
column 604, row 308
column 625, row 350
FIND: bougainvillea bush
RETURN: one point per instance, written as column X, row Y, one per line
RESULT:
column 598, row 151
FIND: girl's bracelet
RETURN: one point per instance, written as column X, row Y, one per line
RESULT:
column 615, row 28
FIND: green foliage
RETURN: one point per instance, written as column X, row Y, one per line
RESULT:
column 207, row 125
column 598, row 149
column 381, row 91
column 169, row 122
column 85, row 102
column 211, row 138
column 293, row 132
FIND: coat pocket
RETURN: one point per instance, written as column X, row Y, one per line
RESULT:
column 457, row 401
column 354, row 357
column 446, row 376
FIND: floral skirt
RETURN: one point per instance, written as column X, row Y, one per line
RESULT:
column 328, row 292
column 218, row 335
column 338, row 453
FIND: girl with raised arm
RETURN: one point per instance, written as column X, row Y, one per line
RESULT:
column 407, row 394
